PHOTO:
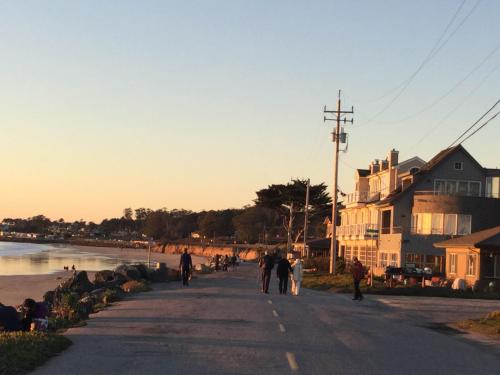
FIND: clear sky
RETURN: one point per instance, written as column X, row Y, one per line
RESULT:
column 198, row 104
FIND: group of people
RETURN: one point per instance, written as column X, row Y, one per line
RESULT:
column 30, row 316
column 284, row 270
column 225, row 262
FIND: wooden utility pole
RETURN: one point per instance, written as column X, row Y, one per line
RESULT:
column 338, row 137
column 306, row 218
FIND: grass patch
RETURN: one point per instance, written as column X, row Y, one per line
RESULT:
column 343, row 284
column 489, row 325
column 21, row 352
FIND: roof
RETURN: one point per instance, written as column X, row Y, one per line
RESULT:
column 435, row 161
column 363, row 172
column 485, row 238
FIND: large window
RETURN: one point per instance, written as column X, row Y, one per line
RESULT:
column 459, row 187
column 434, row 223
column 453, row 263
column 471, row 264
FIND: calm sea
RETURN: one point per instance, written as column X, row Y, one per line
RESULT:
column 37, row 259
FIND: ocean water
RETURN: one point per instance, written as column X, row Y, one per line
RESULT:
column 41, row 259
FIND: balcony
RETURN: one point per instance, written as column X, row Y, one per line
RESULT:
column 362, row 197
column 357, row 231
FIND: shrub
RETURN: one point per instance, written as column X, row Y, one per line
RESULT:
column 134, row 286
column 21, row 352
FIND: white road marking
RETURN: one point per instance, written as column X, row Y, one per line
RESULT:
column 282, row 328
column 275, row 313
column 269, row 302
column 292, row 362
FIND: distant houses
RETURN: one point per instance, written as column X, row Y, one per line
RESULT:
column 400, row 209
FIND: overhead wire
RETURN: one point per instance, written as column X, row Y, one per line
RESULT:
column 434, row 51
column 437, row 125
column 474, row 124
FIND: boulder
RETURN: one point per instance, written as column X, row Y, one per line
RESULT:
column 108, row 279
column 79, row 283
column 84, row 307
column 129, row 272
column 459, row 284
column 143, row 270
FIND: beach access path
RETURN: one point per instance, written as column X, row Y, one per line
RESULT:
column 223, row 324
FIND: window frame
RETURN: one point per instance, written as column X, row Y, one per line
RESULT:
column 460, row 165
column 473, row 264
column 453, row 263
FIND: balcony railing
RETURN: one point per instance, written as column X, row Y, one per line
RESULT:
column 362, row 197
column 356, row 230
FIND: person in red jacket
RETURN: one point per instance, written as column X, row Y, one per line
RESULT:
column 358, row 273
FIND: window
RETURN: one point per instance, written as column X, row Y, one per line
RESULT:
column 383, row 260
column 463, row 224
column 459, row 187
column 492, row 187
column 453, row 263
column 450, row 224
column 447, row 224
column 459, row 166
column 394, row 260
column 471, row 264
column 474, row 189
column 437, row 224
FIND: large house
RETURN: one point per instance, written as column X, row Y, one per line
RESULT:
column 400, row 209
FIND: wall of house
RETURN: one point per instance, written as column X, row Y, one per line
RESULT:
column 461, row 271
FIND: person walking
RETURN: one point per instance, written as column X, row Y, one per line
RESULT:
column 282, row 271
column 297, row 275
column 358, row 273
column 266, row 264
column 185, row 266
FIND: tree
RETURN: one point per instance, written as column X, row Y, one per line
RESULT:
column 289, row 202
column 254, row 223
column 127, row 213
column 217, row 223
column 155, row 225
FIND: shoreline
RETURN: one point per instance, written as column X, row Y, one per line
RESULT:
column 15, row 288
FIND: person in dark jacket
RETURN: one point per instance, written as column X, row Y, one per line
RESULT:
column 9, row 319
column 282, row 270
column 185, row 265
column 266, row 264
column 358, row 273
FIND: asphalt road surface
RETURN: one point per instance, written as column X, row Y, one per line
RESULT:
column 223, row 324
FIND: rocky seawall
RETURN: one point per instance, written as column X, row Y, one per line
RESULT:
column 245, row 252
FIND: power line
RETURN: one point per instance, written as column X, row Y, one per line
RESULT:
column 429, row 57
column 454, row 109
column 482, row 126
column 453, row 88
column 402, row 83
column 474, row 124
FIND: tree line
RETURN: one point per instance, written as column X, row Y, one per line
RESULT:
column 276, row 214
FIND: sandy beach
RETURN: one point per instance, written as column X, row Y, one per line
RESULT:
column 14, row 289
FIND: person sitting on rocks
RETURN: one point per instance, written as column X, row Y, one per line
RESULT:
column 28, row 310
column 9, row 319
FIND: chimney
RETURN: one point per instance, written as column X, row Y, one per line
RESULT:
column 374, row 166
column 392, row 157
column 382, row 164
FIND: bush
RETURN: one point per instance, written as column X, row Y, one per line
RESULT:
column 21, row 352
column 111, row 295
column 134, row 286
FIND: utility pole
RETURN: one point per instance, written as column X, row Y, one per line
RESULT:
column 306, row 218
column 339, row 136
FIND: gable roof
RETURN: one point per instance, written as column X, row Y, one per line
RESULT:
column 426, row 168
column 485, row 238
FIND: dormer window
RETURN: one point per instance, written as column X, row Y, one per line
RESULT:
column 459, row 166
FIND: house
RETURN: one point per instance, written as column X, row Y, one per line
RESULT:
column 474, row 258
column 400, row 209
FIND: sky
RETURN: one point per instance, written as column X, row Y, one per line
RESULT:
column 198, row 104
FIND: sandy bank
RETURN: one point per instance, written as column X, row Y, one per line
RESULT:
column 14, row 289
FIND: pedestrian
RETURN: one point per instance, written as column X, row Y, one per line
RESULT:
column 217, row 260
column 233, row 262
column 282, row 271
column 225, row 263
column 358, row 273
column 266, row 264
column 185, row 266
column 297, row 274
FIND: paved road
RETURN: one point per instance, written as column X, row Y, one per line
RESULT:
column 221, row 324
